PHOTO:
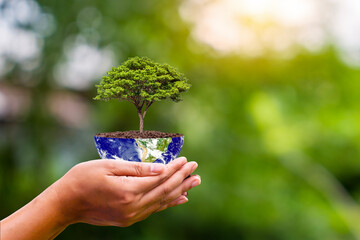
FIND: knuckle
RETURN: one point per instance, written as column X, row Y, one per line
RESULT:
column 165, row 191
column 127, row 198
column 165, row 195
column 124, row 224
column 163, row 178
column 138, row 169
column 129, row 217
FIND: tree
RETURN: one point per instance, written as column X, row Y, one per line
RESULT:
column 142, row 82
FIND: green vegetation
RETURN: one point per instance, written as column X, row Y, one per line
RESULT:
column 277, row 140
column 163, row 144
column 142, row 82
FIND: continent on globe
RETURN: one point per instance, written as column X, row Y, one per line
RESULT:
column 152, row 148
column 160, row 150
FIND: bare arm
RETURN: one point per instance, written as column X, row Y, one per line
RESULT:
column 39, row 219
column 102, row 192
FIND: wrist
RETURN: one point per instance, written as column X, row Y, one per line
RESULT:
column 56, row 208
column 62, row 204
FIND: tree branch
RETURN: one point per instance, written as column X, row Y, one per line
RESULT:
column 128, row 100
column 147, row 107
column 142, row 105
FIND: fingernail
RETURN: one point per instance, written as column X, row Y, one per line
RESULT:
column 185, row 194
column 182, row 201
column 196, row 182
column 195, row 165
column 182, row 159
column 157, row 167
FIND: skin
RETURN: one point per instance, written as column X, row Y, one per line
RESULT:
column 105, row 193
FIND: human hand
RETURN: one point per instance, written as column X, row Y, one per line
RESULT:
column 102, row 192
column 120, row 193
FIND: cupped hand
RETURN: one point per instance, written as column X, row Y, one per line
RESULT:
column 120, row 193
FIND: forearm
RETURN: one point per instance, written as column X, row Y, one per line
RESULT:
column 101, row 192
column 40, row 219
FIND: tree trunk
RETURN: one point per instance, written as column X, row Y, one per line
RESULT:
column 141, row 117
column 142, row 114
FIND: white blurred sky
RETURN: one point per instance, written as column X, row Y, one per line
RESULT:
column 244, row 27
column 253, row 27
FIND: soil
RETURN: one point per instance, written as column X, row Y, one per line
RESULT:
column 137, row 134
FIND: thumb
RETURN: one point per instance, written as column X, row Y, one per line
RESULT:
column 139, row 169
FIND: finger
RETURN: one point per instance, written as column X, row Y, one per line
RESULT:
column 160, row 193
column 145, row 184
column 155, row 207
column 174, row 198
column 138, row 169
column 188, row 184
column 178, row 201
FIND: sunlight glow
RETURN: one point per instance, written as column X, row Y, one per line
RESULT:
column 256, row 27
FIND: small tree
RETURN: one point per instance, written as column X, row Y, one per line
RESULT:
column 142, row 82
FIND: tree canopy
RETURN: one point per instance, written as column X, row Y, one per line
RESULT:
column 141, row 81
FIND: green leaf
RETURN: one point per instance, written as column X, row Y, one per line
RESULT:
column 142, row 79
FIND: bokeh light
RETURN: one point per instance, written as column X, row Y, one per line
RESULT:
column 272, row 117
column 253, row 28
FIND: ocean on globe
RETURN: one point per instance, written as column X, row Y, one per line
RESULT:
column 160, row 150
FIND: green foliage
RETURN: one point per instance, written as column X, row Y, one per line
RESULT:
column 277, row 141
column 140, row 80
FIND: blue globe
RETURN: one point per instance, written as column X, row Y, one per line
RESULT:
column 160, row 150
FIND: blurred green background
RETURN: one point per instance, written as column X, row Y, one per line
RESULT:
column 272, row 117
